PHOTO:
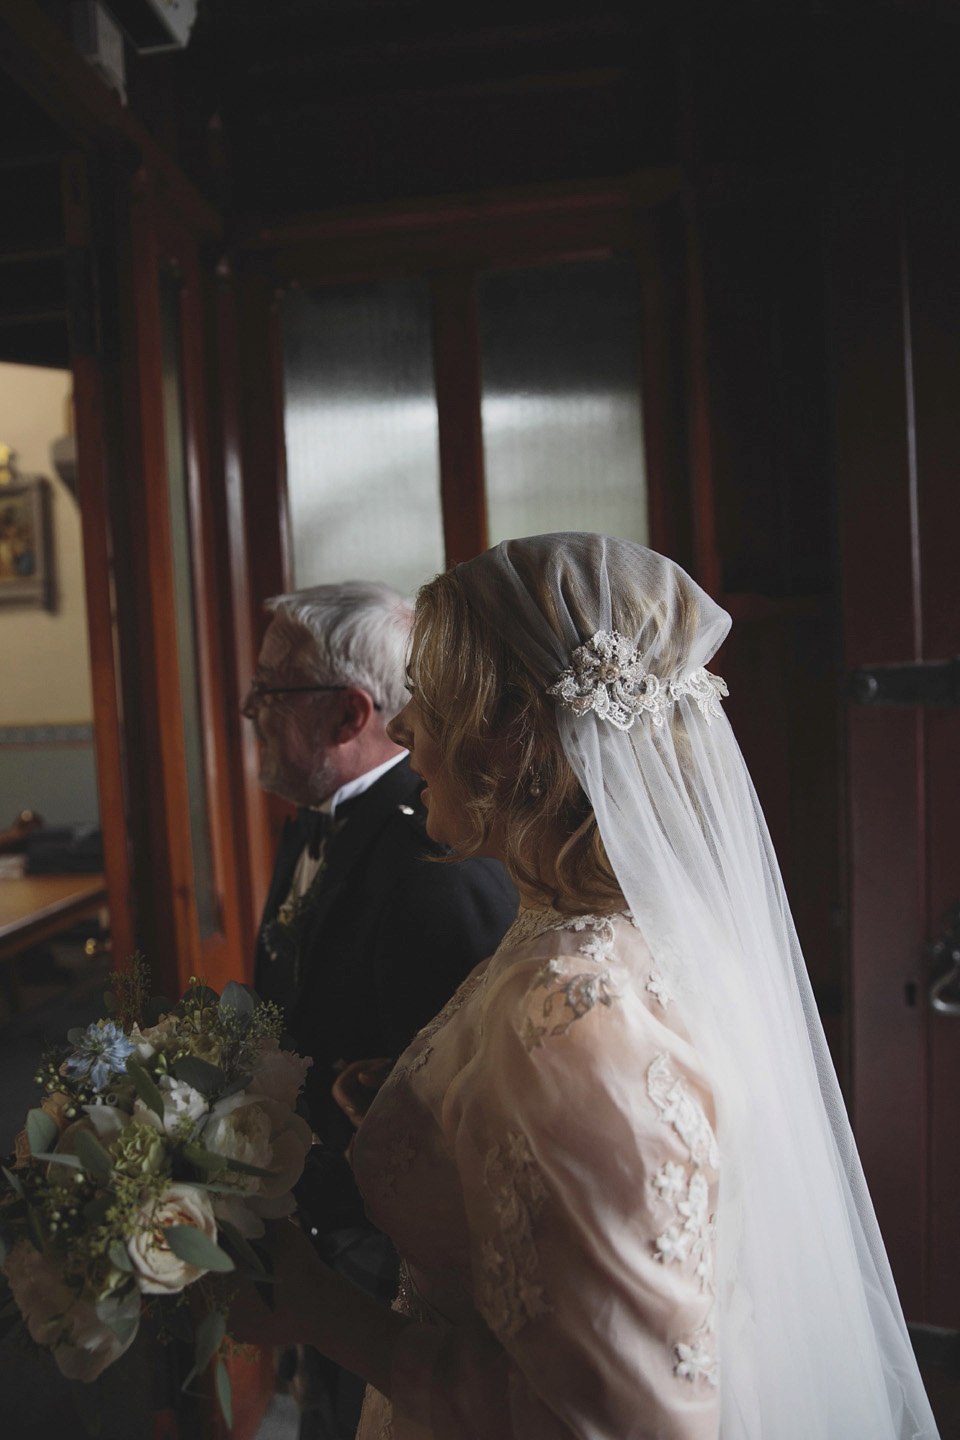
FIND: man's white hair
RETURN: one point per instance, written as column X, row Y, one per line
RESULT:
column 353, row 633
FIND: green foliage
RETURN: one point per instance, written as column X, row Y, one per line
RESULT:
column 145, row 1086
column 191, row 1245
column 224, row 1394
column 42, row 1131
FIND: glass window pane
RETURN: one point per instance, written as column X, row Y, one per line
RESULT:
column 562, row 422
column 360, row 416
column 185, row 611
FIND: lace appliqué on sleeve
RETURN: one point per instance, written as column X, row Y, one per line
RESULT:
column 511, row 1290
column 569, row 997
column 691, row 1235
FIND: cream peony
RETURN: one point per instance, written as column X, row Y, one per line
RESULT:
column 83, row 1345
column 158, row 1270
column 279, row 1074
column 258, row 1131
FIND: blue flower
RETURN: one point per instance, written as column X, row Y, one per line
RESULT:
column 101, row 1052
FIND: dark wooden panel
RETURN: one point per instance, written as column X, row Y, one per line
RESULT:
column 456, row 364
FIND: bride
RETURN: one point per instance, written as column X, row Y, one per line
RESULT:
column 617, row 1165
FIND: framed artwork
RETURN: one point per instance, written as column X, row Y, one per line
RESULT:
column 25, row 570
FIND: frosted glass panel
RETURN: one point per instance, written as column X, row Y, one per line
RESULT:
column 363, row 469
column 562, row 424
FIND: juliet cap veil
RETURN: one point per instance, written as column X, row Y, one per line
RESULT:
column 812, row 1342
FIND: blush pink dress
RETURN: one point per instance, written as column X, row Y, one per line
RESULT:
column 543, row 1158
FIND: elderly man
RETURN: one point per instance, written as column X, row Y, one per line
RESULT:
column 363, row 939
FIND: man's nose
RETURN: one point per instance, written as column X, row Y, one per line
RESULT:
column 248, row 705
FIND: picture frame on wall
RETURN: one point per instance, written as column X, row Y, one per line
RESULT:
column 26, row 576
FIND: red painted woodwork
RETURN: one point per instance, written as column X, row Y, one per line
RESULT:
column 95, row 517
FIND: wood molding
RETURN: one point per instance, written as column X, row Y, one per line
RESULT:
column 40, row 59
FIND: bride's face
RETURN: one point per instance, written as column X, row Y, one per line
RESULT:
column 407, row 729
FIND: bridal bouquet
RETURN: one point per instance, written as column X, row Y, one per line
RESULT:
column 166, row 1136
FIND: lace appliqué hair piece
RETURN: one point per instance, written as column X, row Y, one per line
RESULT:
column 511, row 1289
column 607, row 676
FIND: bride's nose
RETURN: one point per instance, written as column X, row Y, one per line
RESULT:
column 400, row 729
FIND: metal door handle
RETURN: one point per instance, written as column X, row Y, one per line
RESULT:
column 944, row 992
column 950, row 978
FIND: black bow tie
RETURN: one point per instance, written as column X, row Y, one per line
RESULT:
column 315, row 826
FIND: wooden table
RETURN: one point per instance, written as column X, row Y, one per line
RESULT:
column 37, row 906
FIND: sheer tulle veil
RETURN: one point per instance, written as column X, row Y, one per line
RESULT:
column 812, row 1341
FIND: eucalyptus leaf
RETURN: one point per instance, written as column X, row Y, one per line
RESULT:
column 93, row 1157
column 242, row 1251
column 203, row 1159
column 195, row 1248
column 12, row 1181
column 120, row 1257
column 224, row 1394
column 243, row 1168
column 42, row 1131
column 235, row 1086
column 65, row 1158
column 145, row 1086
column 124, row 1327
column 210, row 1332
column 238, row 997
column 200, row 1074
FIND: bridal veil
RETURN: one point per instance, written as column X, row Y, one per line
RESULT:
column 812, row 1342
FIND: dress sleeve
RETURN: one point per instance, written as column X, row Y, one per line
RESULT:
column 583, row 1144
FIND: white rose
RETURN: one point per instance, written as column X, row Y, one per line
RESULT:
column 265, row 1133
column 279, row 1074
column 83, row 1345
column 180, row 1101
column 158, row 1270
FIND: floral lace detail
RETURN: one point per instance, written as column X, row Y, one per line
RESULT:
column 576, row 994
column 691, row 1234
column 409, row 1064
column 695, row 1362
column 659, row 988
column 678, row 1108
column 530, row 923
column 511, row 1291
column 607, row 676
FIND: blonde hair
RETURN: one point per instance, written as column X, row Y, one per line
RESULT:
column 496, row 728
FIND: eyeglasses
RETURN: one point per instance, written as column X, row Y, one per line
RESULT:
column 258, row 690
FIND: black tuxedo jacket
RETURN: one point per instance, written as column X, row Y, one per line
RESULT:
column 389, row 940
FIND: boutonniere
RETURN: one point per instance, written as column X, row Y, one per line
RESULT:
column 283, row 934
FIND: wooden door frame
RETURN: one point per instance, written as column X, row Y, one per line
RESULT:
column 160, row 239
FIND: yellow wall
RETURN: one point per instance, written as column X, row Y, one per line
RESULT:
column 46, row 664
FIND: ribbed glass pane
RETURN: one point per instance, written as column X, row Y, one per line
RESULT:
column 185, row 610
column 562, row 422
column 360, row 416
